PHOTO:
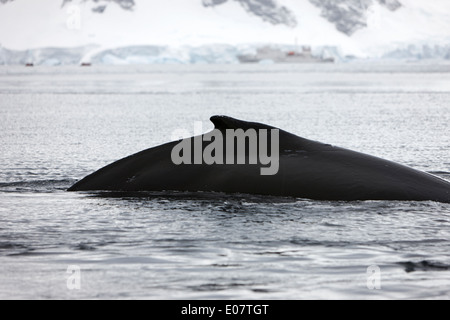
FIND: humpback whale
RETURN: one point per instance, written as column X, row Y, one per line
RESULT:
column 304, row 169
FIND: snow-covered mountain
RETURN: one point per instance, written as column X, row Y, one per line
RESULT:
column 154, row 31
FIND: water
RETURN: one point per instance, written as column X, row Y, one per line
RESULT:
column 60, row 124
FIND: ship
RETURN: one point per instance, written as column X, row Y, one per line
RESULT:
column 278, row 56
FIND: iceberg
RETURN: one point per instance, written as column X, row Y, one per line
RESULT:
column 419, row 52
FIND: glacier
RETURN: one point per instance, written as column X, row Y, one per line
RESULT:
column 206, row 54
column 44, row 56
column 419, row 52
column 148, row 54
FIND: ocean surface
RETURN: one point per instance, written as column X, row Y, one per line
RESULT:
column 58, row 124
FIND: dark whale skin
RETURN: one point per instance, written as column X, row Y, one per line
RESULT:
column 307, row 169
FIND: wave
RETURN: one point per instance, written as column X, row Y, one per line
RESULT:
column 243, row 198
column 439, row 172
column 424, row 265
column 51, row 185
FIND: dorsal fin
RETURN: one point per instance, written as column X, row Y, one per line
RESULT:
column 287, row 140
column 224, row 122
